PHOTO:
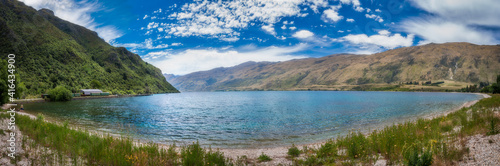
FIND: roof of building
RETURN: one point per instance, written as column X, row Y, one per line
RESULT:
column 91, row 90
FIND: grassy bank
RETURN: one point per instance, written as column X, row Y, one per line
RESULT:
column 440, row 141
column 93, row 149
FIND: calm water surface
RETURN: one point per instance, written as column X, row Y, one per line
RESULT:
column 248, row 119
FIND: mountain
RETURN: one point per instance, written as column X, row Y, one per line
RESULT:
column 458, row 64
column 51, row 51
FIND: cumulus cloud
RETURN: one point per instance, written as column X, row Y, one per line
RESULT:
column 314, row 4
column 350, row 20
column 375, row 17
column 302, row 34
column 205, row 59
column 442, row 31
column 332, row 14
column 224, row 18
column 356, row 5
column 456, row 21
column 382, row 39
column 269, row 29
column 78, row 13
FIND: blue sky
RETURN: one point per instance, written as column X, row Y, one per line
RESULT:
column 181, row 37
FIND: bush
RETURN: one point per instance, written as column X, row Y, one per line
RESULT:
column 415, row 156
column 492, row 128
column 294, row 151
column 60, row 93
column 263, row 158
column 192, row 155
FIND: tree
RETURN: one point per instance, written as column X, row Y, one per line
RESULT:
column 496, row 86
column 95, row 84
column 60, row 93
column 4, row 97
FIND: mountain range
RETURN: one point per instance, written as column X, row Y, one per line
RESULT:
column 51, row 52
column 458, row 63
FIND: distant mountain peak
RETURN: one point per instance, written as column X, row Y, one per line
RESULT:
column 460, row 62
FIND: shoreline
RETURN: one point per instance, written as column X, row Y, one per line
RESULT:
column 277, row 153
column 39, row 100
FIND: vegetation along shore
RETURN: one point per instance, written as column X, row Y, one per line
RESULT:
column 466, row 136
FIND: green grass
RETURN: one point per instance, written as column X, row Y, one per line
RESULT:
column 293, row 151
column 263, row 158
column 107, row 150
column 440, row 140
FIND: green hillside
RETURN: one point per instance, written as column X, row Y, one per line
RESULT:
column 455, row 64
column 50, row 52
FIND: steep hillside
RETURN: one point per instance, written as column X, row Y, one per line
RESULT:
column 51, row 51
column 451, row 62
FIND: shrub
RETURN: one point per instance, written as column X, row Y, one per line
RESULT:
column 492, row 128
column 40, row 117
column 326, row 150
column 192, row 155
column 263, row 158
column 294, row 151
column 60, row 93
column 415, row 156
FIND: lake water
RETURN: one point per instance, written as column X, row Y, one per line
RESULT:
column 248, row 119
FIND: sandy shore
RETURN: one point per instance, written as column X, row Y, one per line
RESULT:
column 279, row 154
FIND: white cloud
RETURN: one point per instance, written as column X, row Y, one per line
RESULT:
column 456, row 21
column 383, row 39
column 78, row 13
column 269, row 29
column 332, row 14
column 283, row 27
column 350, row 20
column 356, row 5
column 314, row 4
column 378, row 10
column 224, row 18
column 292, row 28
column 230, row 39
column 340, row 31
column 176, row 44
column 477, row 12
column 147, row 44
column 375, row 17
column 199, row 60
column 302, row 34
column 441, row 31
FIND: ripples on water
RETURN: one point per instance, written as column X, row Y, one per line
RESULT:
column 244, row 119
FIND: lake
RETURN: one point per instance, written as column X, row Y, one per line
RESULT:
column 248, row 119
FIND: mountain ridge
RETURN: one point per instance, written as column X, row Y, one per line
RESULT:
column 455, row 62
column 51, row 51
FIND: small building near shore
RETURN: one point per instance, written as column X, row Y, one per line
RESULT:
column 88, row 92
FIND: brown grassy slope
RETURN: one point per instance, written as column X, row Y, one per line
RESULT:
column 457, row 62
